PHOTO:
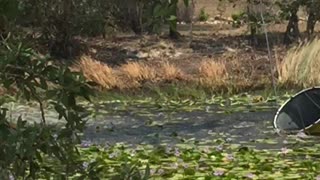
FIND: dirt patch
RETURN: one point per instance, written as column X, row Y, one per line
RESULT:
column 136, row 60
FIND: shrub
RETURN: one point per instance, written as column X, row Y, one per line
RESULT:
column 203, row 15
column 169, row 72
column 212, row 73
column 301, row 65
column 38, row 150
column 98, row 72
column 138, row 71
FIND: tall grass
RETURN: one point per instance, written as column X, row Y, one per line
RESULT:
column 170, row 72
column 138, row 71
column 301, row 65
column 209, row 74
column 98, row 72
column 213, row 71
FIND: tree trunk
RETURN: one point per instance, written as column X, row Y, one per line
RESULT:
column 292, row 32
column 311, row 23
column 135, row 10
column 185, row 13
column 313, row 16
column 173, row 32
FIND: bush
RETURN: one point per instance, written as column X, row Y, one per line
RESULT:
column 38, row 150
column 203, row 15
column 301, row 65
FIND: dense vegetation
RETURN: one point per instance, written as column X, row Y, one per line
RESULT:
column 29, row 151
column 56, row 23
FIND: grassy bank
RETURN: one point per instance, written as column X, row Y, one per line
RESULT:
column 209, row 75
column 297, row 69
column 177, row 92
column 167, row 80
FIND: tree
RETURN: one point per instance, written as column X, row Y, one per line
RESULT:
column 313, row 15
column 173, row 7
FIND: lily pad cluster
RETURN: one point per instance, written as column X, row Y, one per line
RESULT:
column 224, row 160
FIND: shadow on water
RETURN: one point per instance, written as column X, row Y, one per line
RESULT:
column 198, row 127
column 136, row 125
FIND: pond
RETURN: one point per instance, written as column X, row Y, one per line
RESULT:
column 142, row 125
column 186, row 139
column 148, row 122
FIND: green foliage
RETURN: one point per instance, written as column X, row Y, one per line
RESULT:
column 8, row 14
column 60, row 21
column 252, row 16
column 221, row 158
column 77, row 15
column 288, row 11
column 203, row 15
column 238, row 19
column 27, row 150
column 9, row 9
column 162, row 12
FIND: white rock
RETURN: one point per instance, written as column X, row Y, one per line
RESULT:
column 142, row 55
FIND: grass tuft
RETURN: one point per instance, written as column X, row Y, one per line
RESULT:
column 138, row 71
column 212, row 73
column 301, row 65
column 169, row 72
column 98, row 72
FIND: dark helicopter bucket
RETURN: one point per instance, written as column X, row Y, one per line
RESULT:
column 300, row 113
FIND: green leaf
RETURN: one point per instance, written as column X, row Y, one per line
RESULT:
column 172, row 18
column 157, row 11
column 147, row 173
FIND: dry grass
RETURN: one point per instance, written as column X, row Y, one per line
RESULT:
column 3, row 91
column 98, row 72
column 129, row 75
column 213, row 70
column 301, row 66
column 138, row 71
column 208, row 73
column 212, row 73
column 170, row 72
